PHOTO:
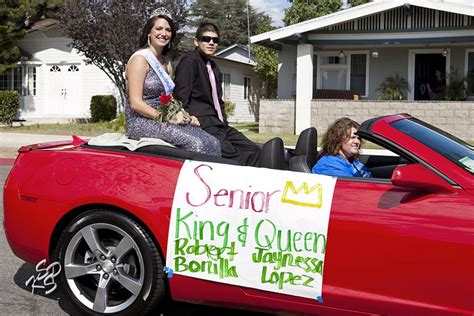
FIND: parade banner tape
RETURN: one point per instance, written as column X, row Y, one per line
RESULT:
column 252, row 227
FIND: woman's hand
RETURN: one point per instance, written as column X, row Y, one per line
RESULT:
column 194, row 121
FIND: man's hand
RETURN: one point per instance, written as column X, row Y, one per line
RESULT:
column 179, row 118
column 194, row 121
column 182, row 117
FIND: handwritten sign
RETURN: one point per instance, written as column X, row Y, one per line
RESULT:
column 252, row 227
column 45, row 275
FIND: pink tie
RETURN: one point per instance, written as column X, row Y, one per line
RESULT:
column 215, row 98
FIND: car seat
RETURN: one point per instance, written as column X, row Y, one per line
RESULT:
column 272, row 155
column 306, row 151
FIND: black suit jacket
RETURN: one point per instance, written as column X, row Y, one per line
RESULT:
column 193, row 86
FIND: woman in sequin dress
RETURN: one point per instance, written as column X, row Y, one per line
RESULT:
column 148, row 76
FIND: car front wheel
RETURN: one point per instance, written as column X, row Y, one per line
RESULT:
column 110, row 265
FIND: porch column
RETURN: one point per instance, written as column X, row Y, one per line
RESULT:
column 304, row 86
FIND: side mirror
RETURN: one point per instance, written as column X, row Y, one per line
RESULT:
column 416, row 176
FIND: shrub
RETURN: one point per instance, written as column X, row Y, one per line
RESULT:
column 456, row 90
column 229, row 108
column 103, row 108
column 393, row 88
column 9, row 105
column 119, row 124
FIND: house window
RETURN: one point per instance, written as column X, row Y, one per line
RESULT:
column 470, row 73
column 334, row 72
column 225, row 79
column 247, row 87
column 343, row 73
column 334, row 60
column 11, row 80
column 31, row 81
column 17, row 78
column 55, row 68
column 334, row 79
column 4, row 81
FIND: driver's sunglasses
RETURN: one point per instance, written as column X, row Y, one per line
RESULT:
column 208, row 39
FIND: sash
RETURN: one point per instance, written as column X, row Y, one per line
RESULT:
column 168, row 83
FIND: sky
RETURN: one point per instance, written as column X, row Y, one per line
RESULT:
column 274, row 8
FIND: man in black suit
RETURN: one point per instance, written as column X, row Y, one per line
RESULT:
column 198, row 85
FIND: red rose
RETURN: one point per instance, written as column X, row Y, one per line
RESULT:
column 165, row 98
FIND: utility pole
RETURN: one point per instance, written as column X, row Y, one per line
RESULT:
column 248, row 27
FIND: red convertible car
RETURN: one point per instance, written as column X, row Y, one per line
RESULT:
column 401, row 243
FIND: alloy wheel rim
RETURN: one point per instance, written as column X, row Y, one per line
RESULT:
column 104, row 268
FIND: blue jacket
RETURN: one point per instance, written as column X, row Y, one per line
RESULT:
column 339, row 167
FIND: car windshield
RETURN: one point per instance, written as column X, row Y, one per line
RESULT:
column 451, row 147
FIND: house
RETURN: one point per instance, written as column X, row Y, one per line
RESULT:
column 357, row 48
column 53, row 80
column 240, row 83
column 56, row 85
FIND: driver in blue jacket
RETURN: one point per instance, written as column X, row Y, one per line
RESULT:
column 340, row 149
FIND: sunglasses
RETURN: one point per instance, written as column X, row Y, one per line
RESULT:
column 208, row 39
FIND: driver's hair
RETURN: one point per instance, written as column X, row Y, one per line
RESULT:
column 338, row 132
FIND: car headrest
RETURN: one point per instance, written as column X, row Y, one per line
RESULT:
column 273, row 154
column 307, row 145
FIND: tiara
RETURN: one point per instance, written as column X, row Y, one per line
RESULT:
column 161, row 11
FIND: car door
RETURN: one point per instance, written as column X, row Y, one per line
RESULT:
column 399, row 249
column 393, row 250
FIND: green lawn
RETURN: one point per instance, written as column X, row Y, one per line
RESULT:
column 84, row 129
column 94, row 129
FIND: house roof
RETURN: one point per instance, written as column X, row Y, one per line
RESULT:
column 232, row 61
column 464, row 7
column 232, row 47
column 227, row 53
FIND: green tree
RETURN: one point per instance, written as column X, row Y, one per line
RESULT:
column 107, row 32
column 230, row 16
column 303, row 10
column 16, row 16
column 41, row 9
column 12, row 28
column 267, row 64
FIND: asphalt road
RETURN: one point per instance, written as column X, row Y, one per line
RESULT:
column 17, row 299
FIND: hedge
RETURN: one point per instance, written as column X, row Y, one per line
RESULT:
column 103, row 108
column 9, row 105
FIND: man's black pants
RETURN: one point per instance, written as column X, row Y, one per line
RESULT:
column 234, row 144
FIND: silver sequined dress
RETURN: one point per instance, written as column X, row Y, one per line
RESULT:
column 186, row 137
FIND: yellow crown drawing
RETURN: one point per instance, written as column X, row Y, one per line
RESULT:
column 304, row 195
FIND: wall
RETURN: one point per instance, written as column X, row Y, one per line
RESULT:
column 277, row 116
column 245, row 109
column 458, row 60
column 287, row 72
column 384, row 66
column 457, row 118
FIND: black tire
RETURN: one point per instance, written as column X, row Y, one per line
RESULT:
column 130, row 276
